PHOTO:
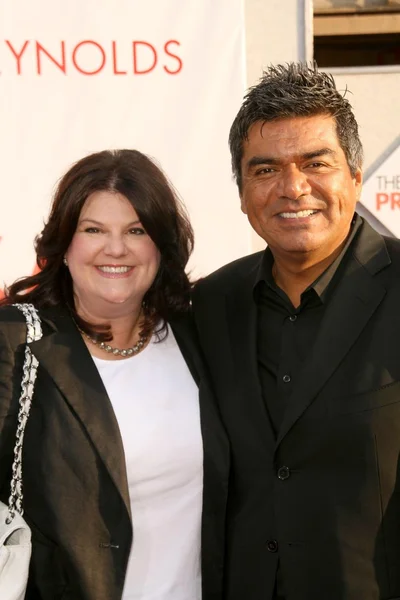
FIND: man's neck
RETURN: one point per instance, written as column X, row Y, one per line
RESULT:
column 294, row 276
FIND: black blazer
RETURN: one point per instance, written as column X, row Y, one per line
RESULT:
column 323, row 497
column 75, row 486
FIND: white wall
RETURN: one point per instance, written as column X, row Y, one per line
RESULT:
column 375, row 100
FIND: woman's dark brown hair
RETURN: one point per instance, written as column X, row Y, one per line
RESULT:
column 135, row 176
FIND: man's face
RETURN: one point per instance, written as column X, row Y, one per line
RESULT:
column 297, row 189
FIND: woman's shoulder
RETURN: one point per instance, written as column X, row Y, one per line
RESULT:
column 12, row 326
column 13, row 322
column 9, row 314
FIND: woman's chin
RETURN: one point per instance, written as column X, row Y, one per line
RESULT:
column 119, row 300
column 114, row 303
column 114, row 300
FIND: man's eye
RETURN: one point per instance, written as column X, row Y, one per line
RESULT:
column 264, row 171
column 315, row 165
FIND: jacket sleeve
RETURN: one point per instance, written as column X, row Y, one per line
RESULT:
column 10, row 381
column 7, row 360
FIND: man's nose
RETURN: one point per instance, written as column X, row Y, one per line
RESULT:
column 294, row 183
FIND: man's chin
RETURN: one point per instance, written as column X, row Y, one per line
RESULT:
column 296, row 246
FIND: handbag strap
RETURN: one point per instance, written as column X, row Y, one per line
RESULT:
column 33, row 333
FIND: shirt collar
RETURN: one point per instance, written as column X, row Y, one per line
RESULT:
column 323, row 281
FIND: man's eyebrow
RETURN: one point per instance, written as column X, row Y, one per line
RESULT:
column 255, row 161
column 318, row 153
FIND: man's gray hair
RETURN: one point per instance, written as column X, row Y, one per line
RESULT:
column 295, row 90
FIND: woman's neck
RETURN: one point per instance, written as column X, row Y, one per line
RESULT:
column 125, row 323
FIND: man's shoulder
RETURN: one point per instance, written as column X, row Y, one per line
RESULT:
column 229, row 273
column 379, row 254
column 393, row 247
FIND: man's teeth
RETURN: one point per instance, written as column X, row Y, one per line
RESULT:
column 114, row 269
column 297, row 215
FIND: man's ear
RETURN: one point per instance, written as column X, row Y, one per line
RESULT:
column 243, row 204
column 358, row 180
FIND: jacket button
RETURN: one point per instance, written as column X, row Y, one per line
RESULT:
column 283, row 473
column 272, row 546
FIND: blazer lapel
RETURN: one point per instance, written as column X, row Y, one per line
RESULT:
column 186, row 338
column 64, row 356
column 351, row 307
column 216, row 446
column 242, row 320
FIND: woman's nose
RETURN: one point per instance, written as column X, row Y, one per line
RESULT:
column 115, row 246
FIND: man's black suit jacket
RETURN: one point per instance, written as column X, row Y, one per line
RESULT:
column 76, row 496
column 323, row 497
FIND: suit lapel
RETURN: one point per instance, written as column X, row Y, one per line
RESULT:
column 64, row 356
column 353, row 303
column 242, row 320
column 216, row 448
column 186, row 338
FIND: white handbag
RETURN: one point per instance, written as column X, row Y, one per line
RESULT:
column 15, row 535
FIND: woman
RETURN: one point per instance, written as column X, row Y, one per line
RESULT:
column 124, row 470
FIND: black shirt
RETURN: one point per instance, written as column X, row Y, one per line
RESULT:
column 285, row 335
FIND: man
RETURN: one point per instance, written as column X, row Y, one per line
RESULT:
column 302, row 341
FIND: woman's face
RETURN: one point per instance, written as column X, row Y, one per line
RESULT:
column 112, row 260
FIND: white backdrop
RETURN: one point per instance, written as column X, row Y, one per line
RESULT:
column 163, row 76
column 381, row 195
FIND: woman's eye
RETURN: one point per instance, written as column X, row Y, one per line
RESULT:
column 137, row 231
column 92, row 230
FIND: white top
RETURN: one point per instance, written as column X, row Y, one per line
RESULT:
column 155, row 401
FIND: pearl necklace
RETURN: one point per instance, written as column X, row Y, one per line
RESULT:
column 125, row 353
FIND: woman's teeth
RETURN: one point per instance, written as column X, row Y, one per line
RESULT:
column 114, row 269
